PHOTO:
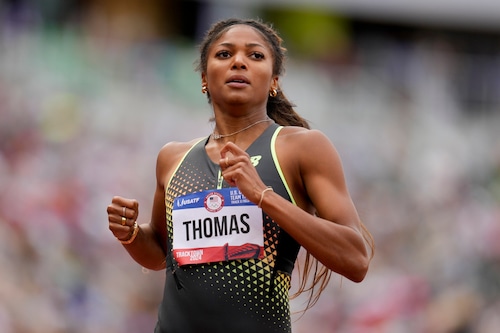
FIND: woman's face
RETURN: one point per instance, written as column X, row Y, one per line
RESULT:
column 240, row 68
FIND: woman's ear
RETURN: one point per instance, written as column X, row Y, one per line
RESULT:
column 275, row 83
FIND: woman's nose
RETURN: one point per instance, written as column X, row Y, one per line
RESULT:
column 239, row 62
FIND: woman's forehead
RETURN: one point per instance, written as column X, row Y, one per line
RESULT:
column 240, row 33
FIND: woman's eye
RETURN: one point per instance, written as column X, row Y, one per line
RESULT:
column 227, row 54
column 258, row 55
column 223, row 54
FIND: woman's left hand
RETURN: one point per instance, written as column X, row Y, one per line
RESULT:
column 238, row 171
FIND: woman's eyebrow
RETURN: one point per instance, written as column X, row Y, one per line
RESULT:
column 248, row 45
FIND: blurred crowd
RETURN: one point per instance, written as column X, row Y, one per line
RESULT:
column 82, row 118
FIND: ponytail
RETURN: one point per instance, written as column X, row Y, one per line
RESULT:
column 280, row 109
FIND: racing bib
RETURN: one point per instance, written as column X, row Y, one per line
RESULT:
column 216, row 225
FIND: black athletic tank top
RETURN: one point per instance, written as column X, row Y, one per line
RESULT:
column 234, row 296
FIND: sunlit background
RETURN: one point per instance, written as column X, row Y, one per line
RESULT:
column 409, row 92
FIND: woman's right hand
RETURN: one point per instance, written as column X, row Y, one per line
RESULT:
column 122, row 214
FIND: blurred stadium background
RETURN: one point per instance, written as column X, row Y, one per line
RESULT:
column 408, row 92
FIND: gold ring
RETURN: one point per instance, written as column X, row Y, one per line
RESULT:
column 227, row 161
column 124, row 220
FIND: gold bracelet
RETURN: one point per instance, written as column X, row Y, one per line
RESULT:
column 133, row 236
column 269, row 188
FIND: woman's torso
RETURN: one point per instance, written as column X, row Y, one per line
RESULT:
column 240, row 295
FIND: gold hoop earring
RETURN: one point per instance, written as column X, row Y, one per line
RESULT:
column 273, row 93
column 204, row 89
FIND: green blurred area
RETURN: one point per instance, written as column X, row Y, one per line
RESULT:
column 311, row 33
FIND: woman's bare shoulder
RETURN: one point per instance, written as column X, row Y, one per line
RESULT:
column 302, row 136
column 174, row 150
column 174, row 147
column 301, row 146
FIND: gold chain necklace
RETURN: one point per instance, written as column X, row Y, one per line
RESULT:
column 218, row 136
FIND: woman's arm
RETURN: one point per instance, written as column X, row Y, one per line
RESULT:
column 313, row 169
column 334, row 234
column 149, row 247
